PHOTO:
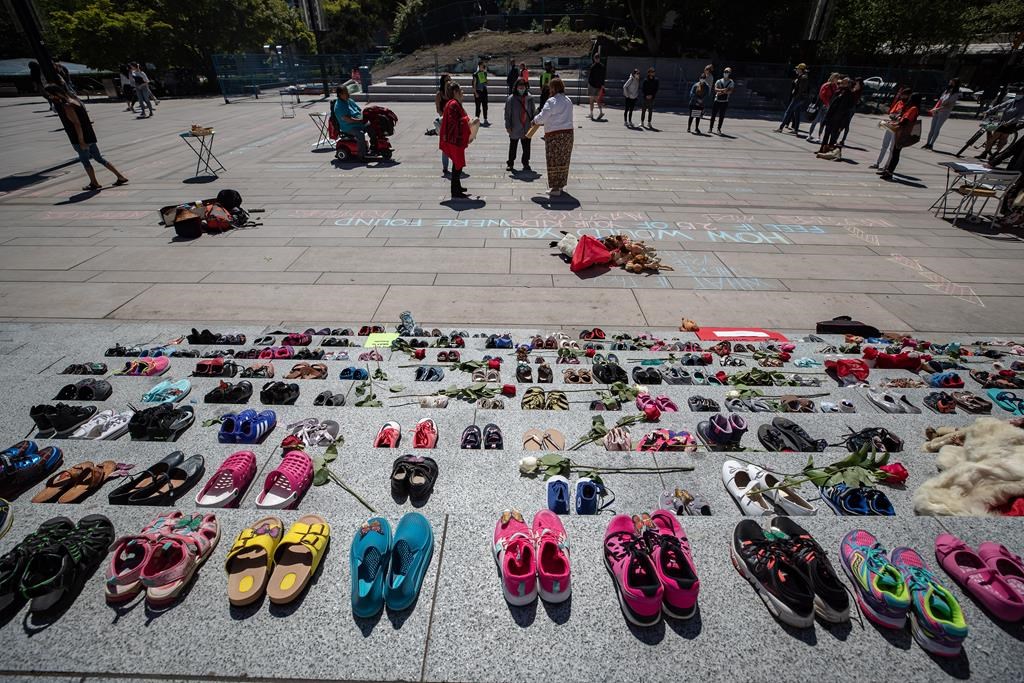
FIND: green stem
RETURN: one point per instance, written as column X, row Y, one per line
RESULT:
column 337, row 480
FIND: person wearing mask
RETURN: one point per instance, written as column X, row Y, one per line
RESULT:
column 142, row 90
column 556, row 117
column 80, row 132
column 454, row 138
column 838, row 114
column 902, row 129
column 545, row 81
column 857, row 90
column 350, row 119
column 798, row 92
column 942, row 110
column 519, row 112
column 649, row 90
column 440, row 100
column 895, row 111
column 128, row 87
column 480, row 90
column 825, row 93
column 708, row 78
column 724, row 87
column 697, row 92
column 630, row 92
column 524, row 74
column 595, row 81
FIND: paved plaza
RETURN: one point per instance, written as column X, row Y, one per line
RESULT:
column 759, row 233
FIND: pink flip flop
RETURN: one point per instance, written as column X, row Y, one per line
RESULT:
column 227, row 486
column 129, row 556
column 287, row 483
column 151, row 367
column 983, row 582
column 1009, row 566
column 176, row 557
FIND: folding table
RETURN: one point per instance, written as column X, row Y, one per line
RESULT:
column 202, row 146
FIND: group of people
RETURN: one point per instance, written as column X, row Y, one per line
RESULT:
column 136, row 88
column 718, row 91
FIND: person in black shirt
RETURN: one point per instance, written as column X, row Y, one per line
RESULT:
column 838, row 114
column 81, row 134
column 648, row 90
column 595, row 81
column 797, row 100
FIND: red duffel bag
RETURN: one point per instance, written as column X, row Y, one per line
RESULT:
column 589, row 252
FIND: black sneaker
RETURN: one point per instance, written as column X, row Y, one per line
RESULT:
column 830, row 599
column 765, row 563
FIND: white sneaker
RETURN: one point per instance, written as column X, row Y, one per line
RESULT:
column 739, row 479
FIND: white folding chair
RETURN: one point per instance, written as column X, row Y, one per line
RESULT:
column 986, row 186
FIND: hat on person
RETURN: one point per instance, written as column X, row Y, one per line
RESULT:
column 801, row 65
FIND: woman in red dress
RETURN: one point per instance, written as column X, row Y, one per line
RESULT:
column 454, row 138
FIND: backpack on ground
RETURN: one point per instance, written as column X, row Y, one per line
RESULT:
column 844, row 324
column 229, row 199
column 218, row 218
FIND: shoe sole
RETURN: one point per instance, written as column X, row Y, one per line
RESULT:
column 779, row 610
column 627, row 611
column 880, row 619
column 675, row 614
column 514, row 600
column 930, row 645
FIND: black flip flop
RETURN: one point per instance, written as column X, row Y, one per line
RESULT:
column 59, row 571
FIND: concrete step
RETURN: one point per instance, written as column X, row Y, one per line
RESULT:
column 466, row 79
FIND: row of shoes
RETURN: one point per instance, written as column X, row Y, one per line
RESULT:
column 119, row 351
column 208, row 337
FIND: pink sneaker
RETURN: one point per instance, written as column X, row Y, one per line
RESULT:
column 670, row 550
column 636, row 580
column 552, row 547
column 425, row 435
column 514, row 555
column 977, row 578
column 1009, row 566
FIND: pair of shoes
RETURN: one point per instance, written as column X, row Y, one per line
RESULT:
column 588, row 492
column 490, row 438
column 78, row 482
column 230, row 482
column 890, row 586
column 279, row 393
column 161, row 559
column 388, row 569
column 789, row 571
column 993, row 575
column 168, row 391
column 685, row 502
column 247, row 426
column 225, row 392
column 524, row 373
column 50, row 566
column 652, row 569
column 264, row 559
column 534, row 398
column 722, row 432
column 759, row 492
column 424, row 436
column 532, row 560
column 61, row 420
column 856, row 501
column 24, row 464
column 162, row 483
column 786, row 436
column 162, row 422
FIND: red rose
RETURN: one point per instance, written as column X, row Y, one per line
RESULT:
column 722, row 377
column 508, row 390
column 591, row 352
column 895, row 473
column 784, row 356
column 706, row 358
column 870, row 353
column 494, row 364
column 652, row 413
column 419, row 354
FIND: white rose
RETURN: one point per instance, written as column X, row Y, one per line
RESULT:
column 732, row 394
column 641, row 389
column 528, row 465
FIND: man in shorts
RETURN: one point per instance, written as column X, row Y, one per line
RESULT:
column 595, row 81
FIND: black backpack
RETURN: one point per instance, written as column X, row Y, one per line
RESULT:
column 844, row 324
column 229, row 199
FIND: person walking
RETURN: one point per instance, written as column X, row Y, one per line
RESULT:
column 128, row 88
column 441, row 98
column 942, row 110
column 545, row 81
column 142, row 90
column 556, row 117
column 697, row 92
column 630, row 92
column 902, row 129
column 78, row 127
column 895, row 111
column 595, row 82
column 454, row 138
column 649, row 89
column 519, row 111
column 798, row 92
column 724, row 87
column 857, row 90
column 480, row 90
column 825, row 93
column 838, row 114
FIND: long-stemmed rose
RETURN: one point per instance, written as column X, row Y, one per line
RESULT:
column 553, row 464
column 861, row 468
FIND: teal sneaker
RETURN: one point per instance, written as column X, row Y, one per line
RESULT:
column 368, row 562
column 411, row 551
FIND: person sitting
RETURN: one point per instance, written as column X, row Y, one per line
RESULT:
column 1011, row 119
column 350, row 120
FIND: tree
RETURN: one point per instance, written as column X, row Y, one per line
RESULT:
column 650, row 16
column 353, row 24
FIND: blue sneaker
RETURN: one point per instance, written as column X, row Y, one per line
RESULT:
column 368, row 562
column 846, row 501
column 411, row 551
column 558, row 495
column 255, row 429
column 231, row 425
column 586, row 496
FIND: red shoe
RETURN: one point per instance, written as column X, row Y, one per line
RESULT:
column 670, row 550
column 425, row 435
column 389, row 436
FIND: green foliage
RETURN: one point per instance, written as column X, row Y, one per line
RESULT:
column 352, row 24
column 564, row 26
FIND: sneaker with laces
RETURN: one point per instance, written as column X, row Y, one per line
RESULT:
column 879, row 587
column 936, row 620
column 517, row 562
column 389, row 436
column 633, row 573
column 552, row 546
column 673, row 561
column 830, row 599
column 766, row 565
column 425, row 435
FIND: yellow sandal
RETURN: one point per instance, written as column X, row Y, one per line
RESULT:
column 297, row 558
column 250, row 559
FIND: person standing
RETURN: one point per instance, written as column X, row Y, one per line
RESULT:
column 519, row 112
column 724, row 87
column 142, row 90
column 545, row 81
column 595, row 81
column 524, row 74
column 825, row 93
column 902, row 129
column 78, row 127
column 942, row 110
column 857, row 90
column 128, row 87
column 708, row 78
column 36, row 74
column 895, row 111
column 838, row 114
column 630, row 92
column 65, row 77
column 350, row 119
column 556, row 117
column 797, row 99
column 440, row 100
column 454, row 138
column 512, row 76
column 649, row 89
column 696, row 105
column 480, row 90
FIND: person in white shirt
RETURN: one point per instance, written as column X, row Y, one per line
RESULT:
column 556, row 117
column 631, row 91
column 724, row 87
column 142, row 90
column 942, row 110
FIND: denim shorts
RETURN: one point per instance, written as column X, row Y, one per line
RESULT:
column 91, row 151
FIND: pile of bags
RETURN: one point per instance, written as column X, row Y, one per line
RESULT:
column 618, row 250
column 192, row 219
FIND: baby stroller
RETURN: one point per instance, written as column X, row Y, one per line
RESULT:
column 380, row 125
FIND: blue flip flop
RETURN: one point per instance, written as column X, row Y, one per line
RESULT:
column 411, row 551
column 1007, row 400
column 368, row 559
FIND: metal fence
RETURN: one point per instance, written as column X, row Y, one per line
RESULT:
column 242, row 75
